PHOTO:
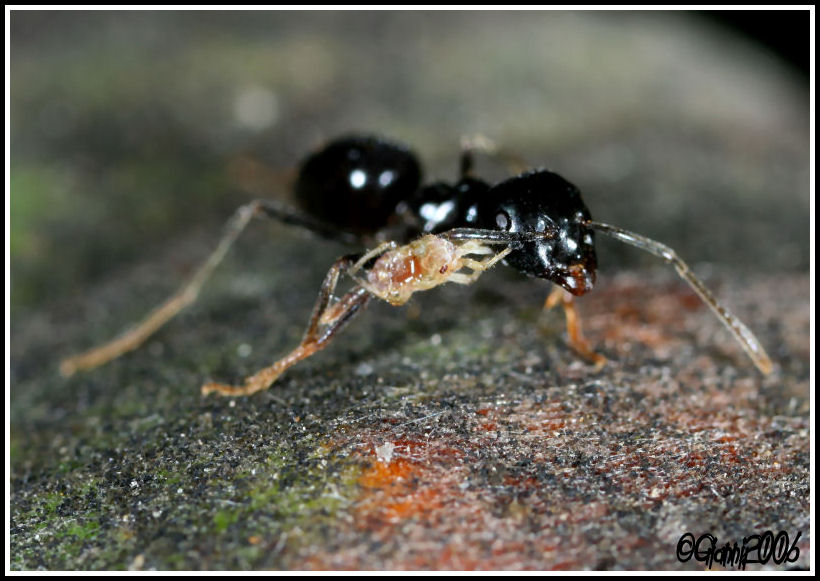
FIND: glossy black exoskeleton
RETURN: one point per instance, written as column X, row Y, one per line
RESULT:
column 368, row 191
column 537, row 202
column 365, row 185
column 355, row 183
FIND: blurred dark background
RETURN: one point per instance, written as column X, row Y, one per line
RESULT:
column 778, row 31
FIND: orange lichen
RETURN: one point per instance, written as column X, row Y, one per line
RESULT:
column 402, row 487
column 384, row 475
column 434, row 485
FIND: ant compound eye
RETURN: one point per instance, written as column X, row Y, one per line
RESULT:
column 502, row 220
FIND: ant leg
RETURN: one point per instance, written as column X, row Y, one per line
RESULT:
column 576, row 337
column 189, row 292
column 472, row 143
column 135, row 337
column 325, row 322
column 742, row 333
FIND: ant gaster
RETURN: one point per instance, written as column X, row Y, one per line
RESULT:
column 367, row 191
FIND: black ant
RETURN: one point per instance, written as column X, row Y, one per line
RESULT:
column 366, row 190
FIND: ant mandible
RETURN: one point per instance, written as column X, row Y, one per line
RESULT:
column 367, row 190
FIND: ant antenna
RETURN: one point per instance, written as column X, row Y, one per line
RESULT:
column 741, row 332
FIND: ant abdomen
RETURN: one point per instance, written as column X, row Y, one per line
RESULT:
column 356, row 182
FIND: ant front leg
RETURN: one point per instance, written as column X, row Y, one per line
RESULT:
column 576, row 337
column 189, row 292
column 741, row 332
column 327, row 320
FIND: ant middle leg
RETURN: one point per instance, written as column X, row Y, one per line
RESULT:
column 576, row 337
column 326, row 321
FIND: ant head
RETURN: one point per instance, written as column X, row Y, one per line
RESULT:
column 541, row 201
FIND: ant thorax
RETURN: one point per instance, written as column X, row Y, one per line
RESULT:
column 424, row 263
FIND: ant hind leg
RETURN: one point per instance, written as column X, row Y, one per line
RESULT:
column 189, row 292
column 186, row 295
column 327, row 320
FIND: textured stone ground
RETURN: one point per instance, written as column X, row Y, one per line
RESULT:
column 460, row 432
